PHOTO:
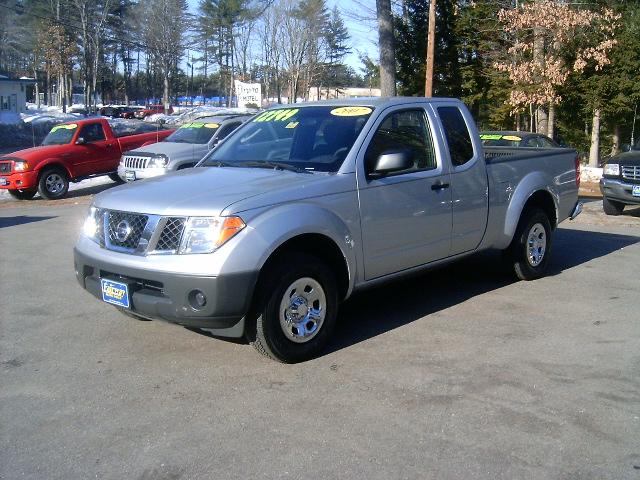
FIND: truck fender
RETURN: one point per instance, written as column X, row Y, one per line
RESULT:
column 274, row 226
column 529, row 185
column 49, row 162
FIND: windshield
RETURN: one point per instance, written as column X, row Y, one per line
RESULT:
column 500, row 140
column 195, row 132
column 60, row 134
column 313, row 138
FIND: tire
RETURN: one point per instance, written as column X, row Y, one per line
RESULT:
column 528, row 254
column 53, row 183
column 298, row 279
column 23, row 194
column 611, row 207
column 116, row 178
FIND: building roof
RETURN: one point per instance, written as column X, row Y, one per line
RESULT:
column 4, row 78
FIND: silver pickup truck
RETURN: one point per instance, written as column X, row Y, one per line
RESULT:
column 304, row 205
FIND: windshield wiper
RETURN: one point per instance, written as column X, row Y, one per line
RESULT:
column 274, row 166
column 219, row 164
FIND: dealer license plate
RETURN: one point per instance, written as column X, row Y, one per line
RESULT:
column 129, row 175
column 635, row 191
column 4, row 181
column 116, row 293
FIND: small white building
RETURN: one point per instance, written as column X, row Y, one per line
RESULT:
column 13, row 94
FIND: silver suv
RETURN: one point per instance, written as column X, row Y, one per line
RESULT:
column 182, row 149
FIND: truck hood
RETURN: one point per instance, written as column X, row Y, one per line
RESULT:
column 627, row 158
column 170, row 149
column 207, row 191
column 37, row 153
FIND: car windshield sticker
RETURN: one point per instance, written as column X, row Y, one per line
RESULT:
column 279, row 115
column 65, row 126
column 211, row 125
column 351, row 111
column 292, row 125
column 499, row 136
column 200, row 125
column 512, row 137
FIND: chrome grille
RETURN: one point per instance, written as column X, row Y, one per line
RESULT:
column 135, row 162
column 632, row 172
column 5, row 167
column 171, row 235
column 136, row 223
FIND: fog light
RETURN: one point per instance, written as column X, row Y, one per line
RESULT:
column 197, row 299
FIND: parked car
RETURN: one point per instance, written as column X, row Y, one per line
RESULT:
column 304, row 205
column 620, row 183
column 72, row 152
column 151, row 110
column 517, row 140
column 182, row 149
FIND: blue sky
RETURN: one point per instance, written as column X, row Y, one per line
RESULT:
column 363, row 33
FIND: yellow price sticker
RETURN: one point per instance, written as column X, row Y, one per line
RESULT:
column 65, row 126
column 292, row 125
column 211, row 125
column 512, row 138
column 278, row 115
column 350, row 111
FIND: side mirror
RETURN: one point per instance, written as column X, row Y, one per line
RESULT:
column 391, row 161
column 81, row 141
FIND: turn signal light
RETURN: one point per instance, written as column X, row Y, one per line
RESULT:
column 230, row 226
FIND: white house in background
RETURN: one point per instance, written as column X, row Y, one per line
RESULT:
column 13, row 94
column 327, row 93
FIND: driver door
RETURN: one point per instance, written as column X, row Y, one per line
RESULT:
column 96, row 154
column 405, row 216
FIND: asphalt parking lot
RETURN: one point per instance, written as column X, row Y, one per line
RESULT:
column 462, row 373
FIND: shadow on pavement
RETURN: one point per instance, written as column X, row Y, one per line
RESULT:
column 381, row 309
column 20, row 220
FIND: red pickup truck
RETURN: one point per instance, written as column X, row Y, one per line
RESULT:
column 151, row 110
column 72, row 152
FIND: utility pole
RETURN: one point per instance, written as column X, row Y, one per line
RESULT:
column 428, row 85
column 633, row 130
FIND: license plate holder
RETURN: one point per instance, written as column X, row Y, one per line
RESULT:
column 635, row 190
column 129, row 175
column 115, row 293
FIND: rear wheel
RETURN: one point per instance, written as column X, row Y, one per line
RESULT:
column 611, row 207
column 529, row 251
column 23, row 194
column 296, row 309
column 116, row 178
column 53, row 183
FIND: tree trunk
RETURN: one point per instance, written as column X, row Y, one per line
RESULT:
column 552, row 121
column 615, row 140
column 542, row 120
column 594, row 151
column 387, row 49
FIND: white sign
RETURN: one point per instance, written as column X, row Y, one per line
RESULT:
column 248, row 93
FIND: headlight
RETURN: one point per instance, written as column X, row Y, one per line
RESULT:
column 612, row 169
column 91, row 225
column 20, row 165
column 159, row 161
column 205, row 234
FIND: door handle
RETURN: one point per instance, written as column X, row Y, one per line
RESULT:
column 439, row 185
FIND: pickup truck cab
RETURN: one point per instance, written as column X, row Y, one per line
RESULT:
column 72, row 152
column 182, row 149
column 304, row 205
column 151, row 110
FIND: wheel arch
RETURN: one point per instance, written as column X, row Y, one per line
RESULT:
column 56, row 163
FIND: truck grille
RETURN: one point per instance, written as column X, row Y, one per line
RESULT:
column 171, row 235
column 135, row 162
column 5, row 167
column 631, row 172
column 142, row 230
column 125, row 229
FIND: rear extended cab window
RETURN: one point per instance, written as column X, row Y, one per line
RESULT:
column 457, row 134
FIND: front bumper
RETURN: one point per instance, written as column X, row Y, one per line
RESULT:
column 140, row 173
column 19, row 181
column 618, row 190
column 166, row 296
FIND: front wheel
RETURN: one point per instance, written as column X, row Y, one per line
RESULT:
column 296, row 310
column 23, row 194
column 529, row 251
column 53, row 183
column 611, row 207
